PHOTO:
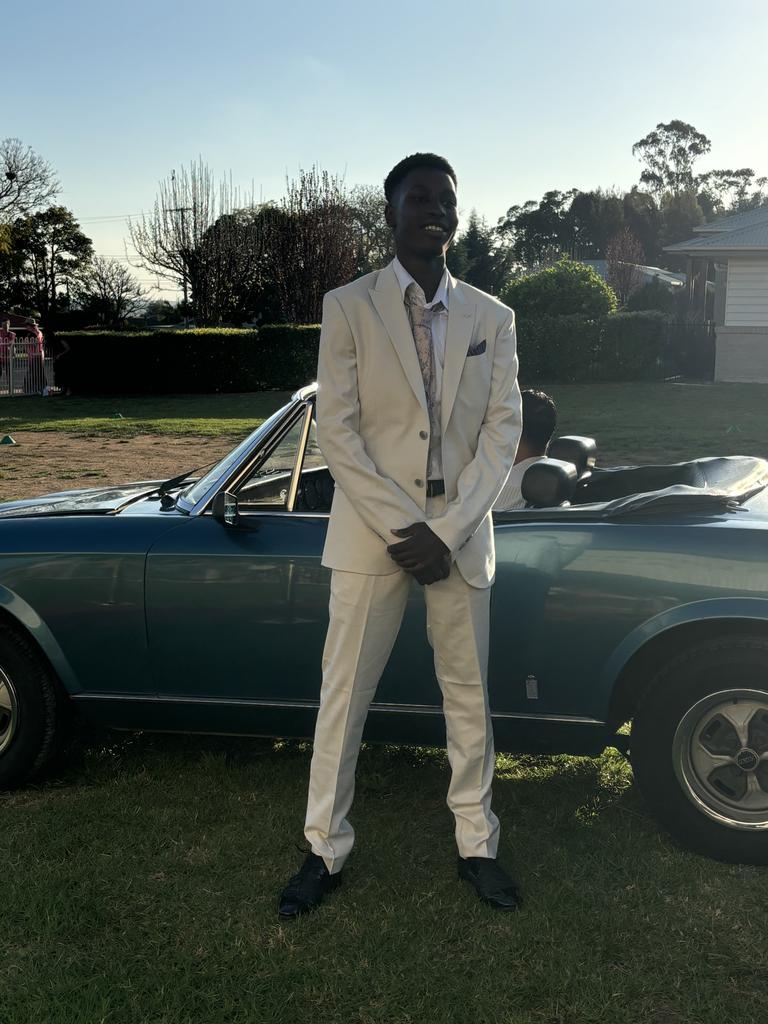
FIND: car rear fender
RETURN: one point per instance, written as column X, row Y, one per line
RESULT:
column 24, row 616
column 643, row 652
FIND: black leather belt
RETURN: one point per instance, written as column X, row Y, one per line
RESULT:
column 435, row 488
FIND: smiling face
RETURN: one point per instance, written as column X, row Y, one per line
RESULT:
column 423, row 213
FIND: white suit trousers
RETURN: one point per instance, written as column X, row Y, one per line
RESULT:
column 365, row 616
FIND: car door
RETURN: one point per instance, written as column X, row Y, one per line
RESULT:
column 240, row 612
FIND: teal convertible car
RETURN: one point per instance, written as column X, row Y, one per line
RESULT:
column 627, row 594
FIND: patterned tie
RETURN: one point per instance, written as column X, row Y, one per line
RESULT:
column 421, row 325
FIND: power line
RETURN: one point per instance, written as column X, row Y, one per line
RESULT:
column 110, row 216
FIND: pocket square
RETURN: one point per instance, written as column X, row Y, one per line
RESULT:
column 476, row 348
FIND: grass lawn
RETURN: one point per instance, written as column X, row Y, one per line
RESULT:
column 141, row 882
column 646, row 422
column 141, row 887
column 208, row 415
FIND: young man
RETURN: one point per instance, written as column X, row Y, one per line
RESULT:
column 539, row 422
column 418, row 415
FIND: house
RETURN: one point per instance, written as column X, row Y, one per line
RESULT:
column 728, row 285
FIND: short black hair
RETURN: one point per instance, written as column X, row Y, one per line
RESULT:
column 399, row 171
column 539, row 418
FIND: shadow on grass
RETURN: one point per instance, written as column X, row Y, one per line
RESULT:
column 549, row 792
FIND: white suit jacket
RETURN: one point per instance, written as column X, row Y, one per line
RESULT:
column 373, row 425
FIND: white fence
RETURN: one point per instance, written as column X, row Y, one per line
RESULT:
column 24, row 368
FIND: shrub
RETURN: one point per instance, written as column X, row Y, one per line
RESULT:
column 191, row 361
column 565, row 289
column 653, row 295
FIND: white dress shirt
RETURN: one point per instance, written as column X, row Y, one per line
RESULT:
column 439, row 327
column 511, row 496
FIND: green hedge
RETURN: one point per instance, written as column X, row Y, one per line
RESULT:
column 632, row 347
column 565, row 349
column 203, row 360
column 570, row 349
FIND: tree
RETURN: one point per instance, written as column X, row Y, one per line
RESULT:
column 730, row 190
column 27, row 182
column 643, row 218
column 538, row 233
column 680, row 214
column 624, row 256
column 234, row 275
column 312, row 242
column 161, row 311
column 49, row 251
column 595, row 218
column 375, row 246
column 478, row 257
column 204, row 236
column 669, row 153
column 109, row 290
column 563, row 289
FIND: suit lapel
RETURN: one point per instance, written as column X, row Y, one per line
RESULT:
column 388, row 300
column 461, row 320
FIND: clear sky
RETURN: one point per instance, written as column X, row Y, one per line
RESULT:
column 520, row 96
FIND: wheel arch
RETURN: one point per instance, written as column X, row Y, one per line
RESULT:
column 641, row 655
column 22, row 617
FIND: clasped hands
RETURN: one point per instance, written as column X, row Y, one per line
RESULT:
column 422, row 554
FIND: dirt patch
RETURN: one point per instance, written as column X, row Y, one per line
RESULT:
column 44, row 462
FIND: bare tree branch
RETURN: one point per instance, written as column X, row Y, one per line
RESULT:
column 110, row 290
column 204, row 236
column 27, row 182
column 313, row 243
column 624, row 256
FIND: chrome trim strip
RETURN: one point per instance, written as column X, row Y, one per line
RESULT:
column 264, row 450
column 248, row 457
column 300, row 454
column 308, row 391
column 311, row 705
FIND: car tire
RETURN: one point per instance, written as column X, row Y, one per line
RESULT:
column 31, row 710
column 699, row 749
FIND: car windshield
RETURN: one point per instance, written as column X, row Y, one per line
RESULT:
column 196, row 490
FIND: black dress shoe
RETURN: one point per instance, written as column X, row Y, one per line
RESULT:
column 493, row 884
column 306, row 889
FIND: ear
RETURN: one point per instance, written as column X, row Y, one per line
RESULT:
column 389, row 215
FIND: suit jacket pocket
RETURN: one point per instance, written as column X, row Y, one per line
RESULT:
column 477, row 348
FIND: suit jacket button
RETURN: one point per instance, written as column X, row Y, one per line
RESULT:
column 419, row 483
column 423, row 435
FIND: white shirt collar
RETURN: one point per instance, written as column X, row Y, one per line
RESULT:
column 404, row 279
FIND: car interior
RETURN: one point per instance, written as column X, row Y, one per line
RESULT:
column 567, row 479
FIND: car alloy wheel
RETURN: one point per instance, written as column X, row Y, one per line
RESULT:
column 9, row 711
column 720, row 757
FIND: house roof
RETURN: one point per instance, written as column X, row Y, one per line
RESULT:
column 668, row 277
column 736, row 221
column 747, row 239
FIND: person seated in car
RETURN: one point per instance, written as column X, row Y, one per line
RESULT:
column 539, row 422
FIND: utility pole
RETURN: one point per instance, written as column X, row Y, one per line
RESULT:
column 182, row 210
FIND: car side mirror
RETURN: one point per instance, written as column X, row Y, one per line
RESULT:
column 224, row 508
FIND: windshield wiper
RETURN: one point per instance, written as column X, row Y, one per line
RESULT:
column 176, row 481
column 166, row 501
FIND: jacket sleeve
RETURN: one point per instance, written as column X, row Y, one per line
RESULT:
column 381, row 503
column 482, row 479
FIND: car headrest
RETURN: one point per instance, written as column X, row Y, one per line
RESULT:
column 581, row 451
column 548, row 483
